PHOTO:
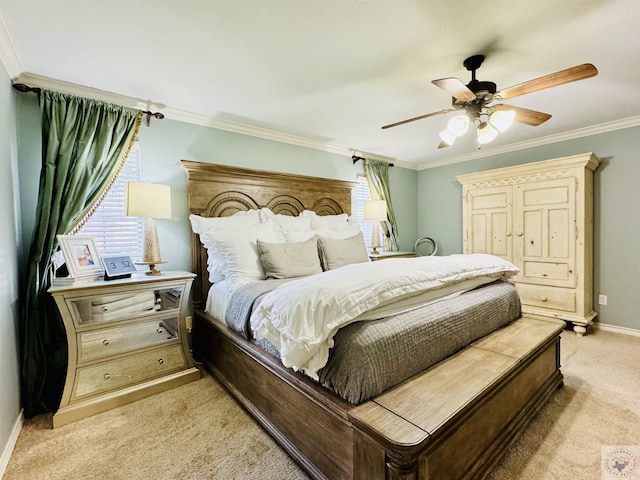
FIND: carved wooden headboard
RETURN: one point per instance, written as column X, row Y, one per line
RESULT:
column 220, row 191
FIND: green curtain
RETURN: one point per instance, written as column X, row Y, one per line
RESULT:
column 377, row 173
column 84, row 145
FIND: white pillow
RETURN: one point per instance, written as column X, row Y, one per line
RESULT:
column 323, row 222
column 201, row 225
column 339, row 233
column 235, row 251
column 287, row 222
column 293, row 236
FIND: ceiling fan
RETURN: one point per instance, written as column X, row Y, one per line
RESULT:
column 477, row 99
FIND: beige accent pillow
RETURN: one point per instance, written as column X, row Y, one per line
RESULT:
column 287, row 260
column 336, row 253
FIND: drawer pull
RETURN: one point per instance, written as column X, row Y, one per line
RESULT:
column 544, row 299
column 105, row 341
column 107, row 376
column 105, row 308
column 160, row 361
column 160, row 330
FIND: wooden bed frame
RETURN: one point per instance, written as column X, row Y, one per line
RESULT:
column 454, row 420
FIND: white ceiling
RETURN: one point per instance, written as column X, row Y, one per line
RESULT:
column 332, row 72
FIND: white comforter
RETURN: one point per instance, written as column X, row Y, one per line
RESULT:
column 301, row 317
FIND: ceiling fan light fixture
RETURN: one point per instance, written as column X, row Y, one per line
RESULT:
column 458, row 125
column 501, row 120
column 486, row 133
column 447, row 137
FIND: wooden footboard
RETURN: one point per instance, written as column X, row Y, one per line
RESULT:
column 452, row 421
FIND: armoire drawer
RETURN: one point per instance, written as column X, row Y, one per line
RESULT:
column 96, row 344
column 547, row 297
column 129, row 370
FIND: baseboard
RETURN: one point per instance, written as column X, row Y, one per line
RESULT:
column 11, row 443
column 616, row 329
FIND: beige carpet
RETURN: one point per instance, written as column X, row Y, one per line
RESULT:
column 198, row 432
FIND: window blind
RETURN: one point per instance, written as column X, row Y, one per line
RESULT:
column 115, row 234
column 363, row 194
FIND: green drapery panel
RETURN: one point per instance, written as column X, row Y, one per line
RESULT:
column 84, row 144
column 377, row 173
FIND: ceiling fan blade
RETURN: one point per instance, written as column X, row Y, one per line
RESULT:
column 419, row 118
column 442, row 145
column 524, row 115
column 579, row 72
column 455, row 88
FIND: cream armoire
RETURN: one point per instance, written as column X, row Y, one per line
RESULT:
column 539, row 216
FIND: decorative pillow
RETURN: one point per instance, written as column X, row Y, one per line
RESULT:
column 336, row 253
column 235, row 251
column 286, row 260
column 202, row 225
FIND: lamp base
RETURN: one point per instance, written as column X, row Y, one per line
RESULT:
column 375, row 237
column 152, row 266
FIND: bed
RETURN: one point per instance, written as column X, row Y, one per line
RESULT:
column 454, row 419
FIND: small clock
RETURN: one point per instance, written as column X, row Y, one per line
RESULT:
column 118, row 267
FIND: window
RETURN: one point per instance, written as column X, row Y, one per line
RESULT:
column 114, row 233
column 363, row 194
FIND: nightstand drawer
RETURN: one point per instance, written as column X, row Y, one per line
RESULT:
column 122, row 306
column 547, row 297
column 128, row 370
column 96, row 344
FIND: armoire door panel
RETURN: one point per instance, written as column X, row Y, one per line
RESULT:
column 489, row 222
column 479, row 242
column 532, row 226
column 545, row 195
column 489, row 200
column 499, row 245
column 559, row 233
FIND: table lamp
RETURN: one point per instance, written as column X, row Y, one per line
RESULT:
column 151, row 201
column 375, row 211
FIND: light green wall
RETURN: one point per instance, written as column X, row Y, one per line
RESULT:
column 616, row 218
column 9, row 246
column 166, row 142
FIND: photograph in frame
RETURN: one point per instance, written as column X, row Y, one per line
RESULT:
column 81, row 256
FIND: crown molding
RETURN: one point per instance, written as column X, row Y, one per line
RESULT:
column 8, row 54
column 537, row 142
column 198, row 119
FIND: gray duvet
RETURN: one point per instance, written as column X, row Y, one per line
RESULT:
column 372, row 356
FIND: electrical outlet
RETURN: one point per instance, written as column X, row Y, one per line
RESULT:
column 602, row 299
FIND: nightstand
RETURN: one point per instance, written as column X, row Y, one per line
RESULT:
column 127, row 340
column 384, row 255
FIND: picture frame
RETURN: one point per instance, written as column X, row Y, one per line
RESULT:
column 81, row 256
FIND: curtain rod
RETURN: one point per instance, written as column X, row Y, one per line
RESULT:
column 21, row 87
column 355, row 158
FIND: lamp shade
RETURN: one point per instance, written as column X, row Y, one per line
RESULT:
column 486, row 133
column 375, row 210
column 149, row 200
column 502, row 119
column 458, row 125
